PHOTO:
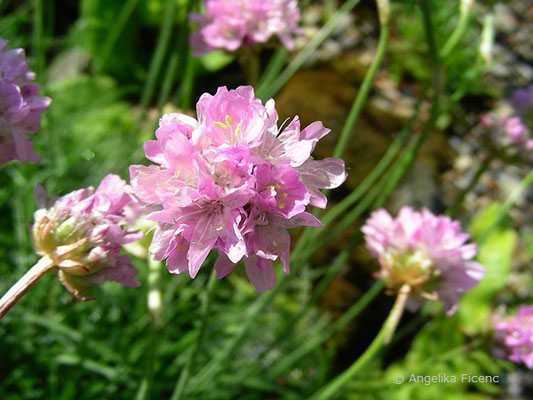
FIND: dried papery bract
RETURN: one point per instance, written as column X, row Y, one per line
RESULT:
column 232, row 181
column 81, row 236
column 21, row 106
column 428, row 253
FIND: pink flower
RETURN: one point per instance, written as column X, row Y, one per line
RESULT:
column 507, row 135
column 514, row 336
column 430, row 253
column 231, row 181
column 20, row 106
column 83, row 232
column 230, row 24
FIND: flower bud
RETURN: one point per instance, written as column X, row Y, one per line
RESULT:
column 83, row 233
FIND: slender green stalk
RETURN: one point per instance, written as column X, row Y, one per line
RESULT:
column 157, row 59
column 509, row 203
column 115, row 31
column 38, row 38
column 285, row 363
column 187, row 87
column 273, row 68
column 366, row 86
column 269, row 91
column 185, row 372
column 178, row 58
column 155, row 306
column 462, row 24
column 215, row 365
column 249, row 61
column 383, row 337
column 481, row 169
column 355, row 111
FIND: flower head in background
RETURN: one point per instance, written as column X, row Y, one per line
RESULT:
column 231, row 180
column 21, row 106
column 514, row 336
column 522, row 102
column 83, row 232
column 231, row 24
column 507, row 135
column 429, row 253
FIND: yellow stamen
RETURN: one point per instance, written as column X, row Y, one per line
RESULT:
column 238, row 129
column 228, row 120
column 221, row 125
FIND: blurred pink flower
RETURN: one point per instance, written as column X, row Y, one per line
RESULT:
column 20, row 106
column 230, row 24
column 83, row 232
column 514, row 336
column 425, row 251
column 231, row 181
column 507, row 135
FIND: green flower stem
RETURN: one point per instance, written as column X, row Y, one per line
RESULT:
column 273, row 68
column 249, row 61
column 178, row 58
column 185, row 372
column 285, row 363
column 18, row 290
column 509, row 203
column 115, row 31
column 383, row 337
column 266, row 92
column 155, row 307
column 38, row 38
column 462, row 24
column 207, row 373
column 353, row 116
column 157, row 59
column 482, row 168
column 366, row 86
column 184, row 95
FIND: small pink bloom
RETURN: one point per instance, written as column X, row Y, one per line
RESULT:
column 20, row 106
column 231, row 24
column 428, row 252
column 514, row 336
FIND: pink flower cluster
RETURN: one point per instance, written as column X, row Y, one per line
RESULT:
column 20, row 106
column 230, row 24
column 514, row 336
column 425, row 251
column 232, row 181
column 508, row 133
column 83, row 232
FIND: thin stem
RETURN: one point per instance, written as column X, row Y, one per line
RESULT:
column 511, row 200
column 157, row 59
column 366, row 86
column 215, row 365
column 457, row 34
column 38, row 38
column 273, row 68
column 185, row 372
column 266, row 92
column 382, row 338
column 482, row 168
column 155, row 307
column 285, row 363
column 115, row 31
column 18, row 290
column 249, row 61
